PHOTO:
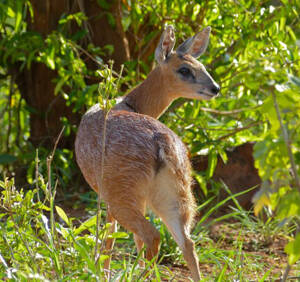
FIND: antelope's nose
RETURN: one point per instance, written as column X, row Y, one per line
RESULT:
column 215, row 89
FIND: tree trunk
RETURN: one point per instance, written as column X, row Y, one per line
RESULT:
column 105, row 33
column 36, row 84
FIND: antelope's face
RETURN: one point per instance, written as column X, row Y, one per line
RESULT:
column 184, row 75
column 188, row 78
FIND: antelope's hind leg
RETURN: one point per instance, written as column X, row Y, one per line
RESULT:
column 139, row 247
column 177, row 212
column 179, row 228
column 131, row 217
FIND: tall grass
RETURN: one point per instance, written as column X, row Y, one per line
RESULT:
column 35, row 247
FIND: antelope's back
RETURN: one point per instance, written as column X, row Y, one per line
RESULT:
column 137, row 147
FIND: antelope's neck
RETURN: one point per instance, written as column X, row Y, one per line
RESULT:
column 151, row 96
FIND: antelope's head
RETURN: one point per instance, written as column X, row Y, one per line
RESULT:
column 183, row 74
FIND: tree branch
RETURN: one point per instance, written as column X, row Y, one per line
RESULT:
column 226, row 113
column 252, row 124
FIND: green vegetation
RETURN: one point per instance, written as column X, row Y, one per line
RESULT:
column 49, row 75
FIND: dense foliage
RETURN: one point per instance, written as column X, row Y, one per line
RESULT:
column 253, row 54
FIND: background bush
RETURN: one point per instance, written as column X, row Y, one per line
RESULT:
column 50, row 53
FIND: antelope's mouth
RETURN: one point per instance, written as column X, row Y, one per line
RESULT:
column 207, row 94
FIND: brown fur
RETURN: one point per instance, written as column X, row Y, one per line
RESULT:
column 146, row 164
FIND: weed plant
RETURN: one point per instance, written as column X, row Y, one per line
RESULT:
column 40, row 242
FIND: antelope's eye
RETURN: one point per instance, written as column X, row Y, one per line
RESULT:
column 185, row 71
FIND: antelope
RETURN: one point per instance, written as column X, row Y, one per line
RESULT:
column 145, row 163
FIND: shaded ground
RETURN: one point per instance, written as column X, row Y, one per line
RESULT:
column 266, row 256
column 248, row 254
column 253, row 248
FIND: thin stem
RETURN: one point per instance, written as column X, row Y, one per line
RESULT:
column 192, row 124
column 56, row 142
column 11, row 90
column 105, row 113
column 18, row 122
column 31, row 255
column 179, row 103
column 252, row 124
column 105, row 109
column 286, row 273
column 226, row 113
column 37, row 174
column 50, row 192
column 52, row 196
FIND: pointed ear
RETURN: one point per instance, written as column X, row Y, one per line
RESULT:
column 196, row 45
column 166, row 44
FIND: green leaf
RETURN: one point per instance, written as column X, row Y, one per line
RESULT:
column 289, row 205
column 260, row 202
column 221, row 275
column 10, row 12
column 85, row 225
column 201, row 181
column 19, row 16
column 111, row 19
column 64, row 232
column 85, row 254
column 102, row 258
column 291, row 32
column 50, row 62
column 157, row 275
column 62, row 214
column 119, row 235
column 104, row 4
column 268, row 109
column 282, row 23
column 50, row 58
column 212, row 162
column 295, row 80
column 60, row 84
column 293, row 250
column 223, row 155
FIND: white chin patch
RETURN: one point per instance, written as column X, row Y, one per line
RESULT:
column 205, row 96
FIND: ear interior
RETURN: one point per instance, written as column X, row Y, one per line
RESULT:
column 166, row 44
column 196, row 45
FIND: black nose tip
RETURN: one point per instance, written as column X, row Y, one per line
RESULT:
column 215, row 89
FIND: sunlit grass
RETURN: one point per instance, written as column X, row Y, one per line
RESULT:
column 239, row 249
